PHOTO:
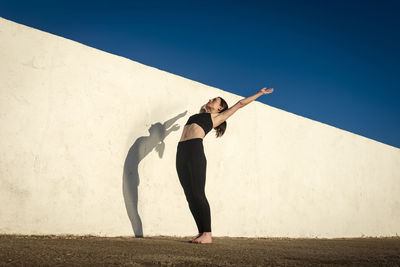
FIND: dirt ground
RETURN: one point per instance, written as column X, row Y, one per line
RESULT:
column 172, row 251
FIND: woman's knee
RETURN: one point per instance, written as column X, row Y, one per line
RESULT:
column 199, row 197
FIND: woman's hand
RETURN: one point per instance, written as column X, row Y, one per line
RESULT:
column 264, row 92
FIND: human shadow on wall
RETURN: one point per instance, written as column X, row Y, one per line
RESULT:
column 140, row 149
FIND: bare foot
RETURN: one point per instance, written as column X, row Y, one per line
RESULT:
column 205, row 238
column 193, row 238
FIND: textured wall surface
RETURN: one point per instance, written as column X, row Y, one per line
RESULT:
column 88, row 143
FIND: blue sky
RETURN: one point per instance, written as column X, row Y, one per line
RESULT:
column 333, row 61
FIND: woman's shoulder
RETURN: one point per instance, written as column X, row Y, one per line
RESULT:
column 213, row 115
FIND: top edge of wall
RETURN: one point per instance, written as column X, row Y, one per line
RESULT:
column 18, row 24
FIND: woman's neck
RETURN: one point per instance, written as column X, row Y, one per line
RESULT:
column 205, row 109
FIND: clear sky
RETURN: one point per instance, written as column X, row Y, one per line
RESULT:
column 333, row 61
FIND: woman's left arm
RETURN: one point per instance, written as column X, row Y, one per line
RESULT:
column 262, row 91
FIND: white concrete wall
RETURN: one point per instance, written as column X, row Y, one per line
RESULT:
column 88, row 143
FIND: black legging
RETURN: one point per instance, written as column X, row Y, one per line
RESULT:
column 191, row 166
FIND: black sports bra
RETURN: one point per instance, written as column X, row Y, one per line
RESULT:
column 203, row 120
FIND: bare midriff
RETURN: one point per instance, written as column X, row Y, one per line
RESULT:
column 194, row 131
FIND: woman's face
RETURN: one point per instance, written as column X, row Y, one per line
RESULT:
column 214, row 103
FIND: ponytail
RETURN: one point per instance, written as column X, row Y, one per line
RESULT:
column 220, row 129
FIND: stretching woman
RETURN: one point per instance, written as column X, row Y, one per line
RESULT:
column 191, row 162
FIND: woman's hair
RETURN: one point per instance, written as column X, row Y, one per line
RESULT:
column 220, row 129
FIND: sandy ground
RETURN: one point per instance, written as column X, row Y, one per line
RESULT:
column 171, row 251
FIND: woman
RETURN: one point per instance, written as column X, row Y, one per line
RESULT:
column 191, row 162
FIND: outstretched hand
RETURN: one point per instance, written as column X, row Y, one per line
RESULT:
column 270, row 90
